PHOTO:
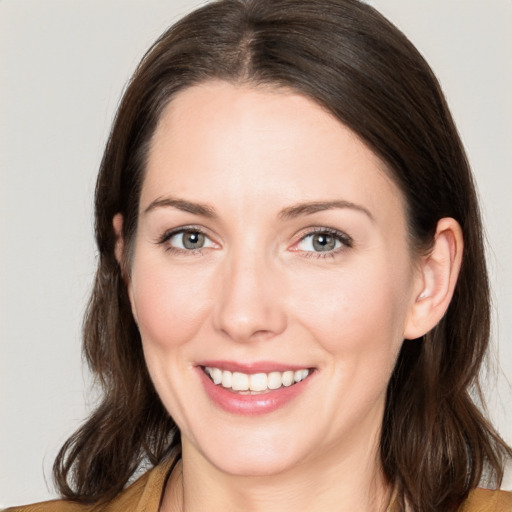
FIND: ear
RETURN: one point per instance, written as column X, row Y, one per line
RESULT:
column 117, row 223
column 437, row 276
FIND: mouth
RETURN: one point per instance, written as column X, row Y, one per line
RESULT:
column 255, row 383
column 253, row 389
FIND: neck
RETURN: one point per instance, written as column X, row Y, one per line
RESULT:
column 338, row 480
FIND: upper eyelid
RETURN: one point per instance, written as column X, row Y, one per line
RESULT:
column 323, row 229
column 169, row 233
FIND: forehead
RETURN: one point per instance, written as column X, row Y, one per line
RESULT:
column 219, row 140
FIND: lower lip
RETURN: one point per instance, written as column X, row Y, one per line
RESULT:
column 250, row 405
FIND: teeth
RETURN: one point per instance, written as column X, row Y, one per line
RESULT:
column 288, row 378
column 300, row 375
column 240, row 382
column 274, row 380
column 226, row 379
column 216, row 375
column 256, row 382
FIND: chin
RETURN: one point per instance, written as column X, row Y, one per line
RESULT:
column 252, row 457
column 255, row 466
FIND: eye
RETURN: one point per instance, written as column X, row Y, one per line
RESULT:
column 187, row 240
column 323, row 241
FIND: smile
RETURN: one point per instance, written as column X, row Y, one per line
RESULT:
column 255, row 382
column 253, row 389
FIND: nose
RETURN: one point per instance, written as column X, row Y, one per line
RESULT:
column 249, row 304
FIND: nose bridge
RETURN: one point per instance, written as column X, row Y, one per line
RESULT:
column 249, row 305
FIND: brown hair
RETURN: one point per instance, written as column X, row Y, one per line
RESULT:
column 435, row 444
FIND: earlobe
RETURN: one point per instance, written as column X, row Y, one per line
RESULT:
column 438, row 274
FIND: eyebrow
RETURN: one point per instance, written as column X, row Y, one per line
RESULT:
column 318, row 206
column 288, row 213
column 204, row 210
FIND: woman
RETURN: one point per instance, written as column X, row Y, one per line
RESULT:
column 291, row 305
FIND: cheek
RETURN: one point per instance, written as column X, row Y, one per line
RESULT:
column 354, row 312
column 168, row 304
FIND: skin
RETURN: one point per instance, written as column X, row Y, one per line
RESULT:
column 259, row 291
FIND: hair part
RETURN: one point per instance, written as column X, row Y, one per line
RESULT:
column 349, row 59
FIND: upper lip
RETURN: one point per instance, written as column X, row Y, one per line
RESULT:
column 252, row 367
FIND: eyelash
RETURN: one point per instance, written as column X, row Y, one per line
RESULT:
column 345, row 240
column 177, row 250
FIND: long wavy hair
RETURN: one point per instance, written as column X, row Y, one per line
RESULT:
column 436, row 444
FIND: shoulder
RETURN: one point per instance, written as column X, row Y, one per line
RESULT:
column 142, row 495
column 487, row 500
column 51, row 506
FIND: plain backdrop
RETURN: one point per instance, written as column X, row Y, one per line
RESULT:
column 63, row 66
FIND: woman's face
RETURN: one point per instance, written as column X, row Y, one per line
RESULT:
column 271, row 280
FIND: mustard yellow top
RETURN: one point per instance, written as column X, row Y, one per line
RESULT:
column 145, row 494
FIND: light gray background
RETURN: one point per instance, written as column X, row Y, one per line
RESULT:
column 63, row 65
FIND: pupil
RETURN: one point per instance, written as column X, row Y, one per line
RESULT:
column 193, row 240
column 324, row 242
